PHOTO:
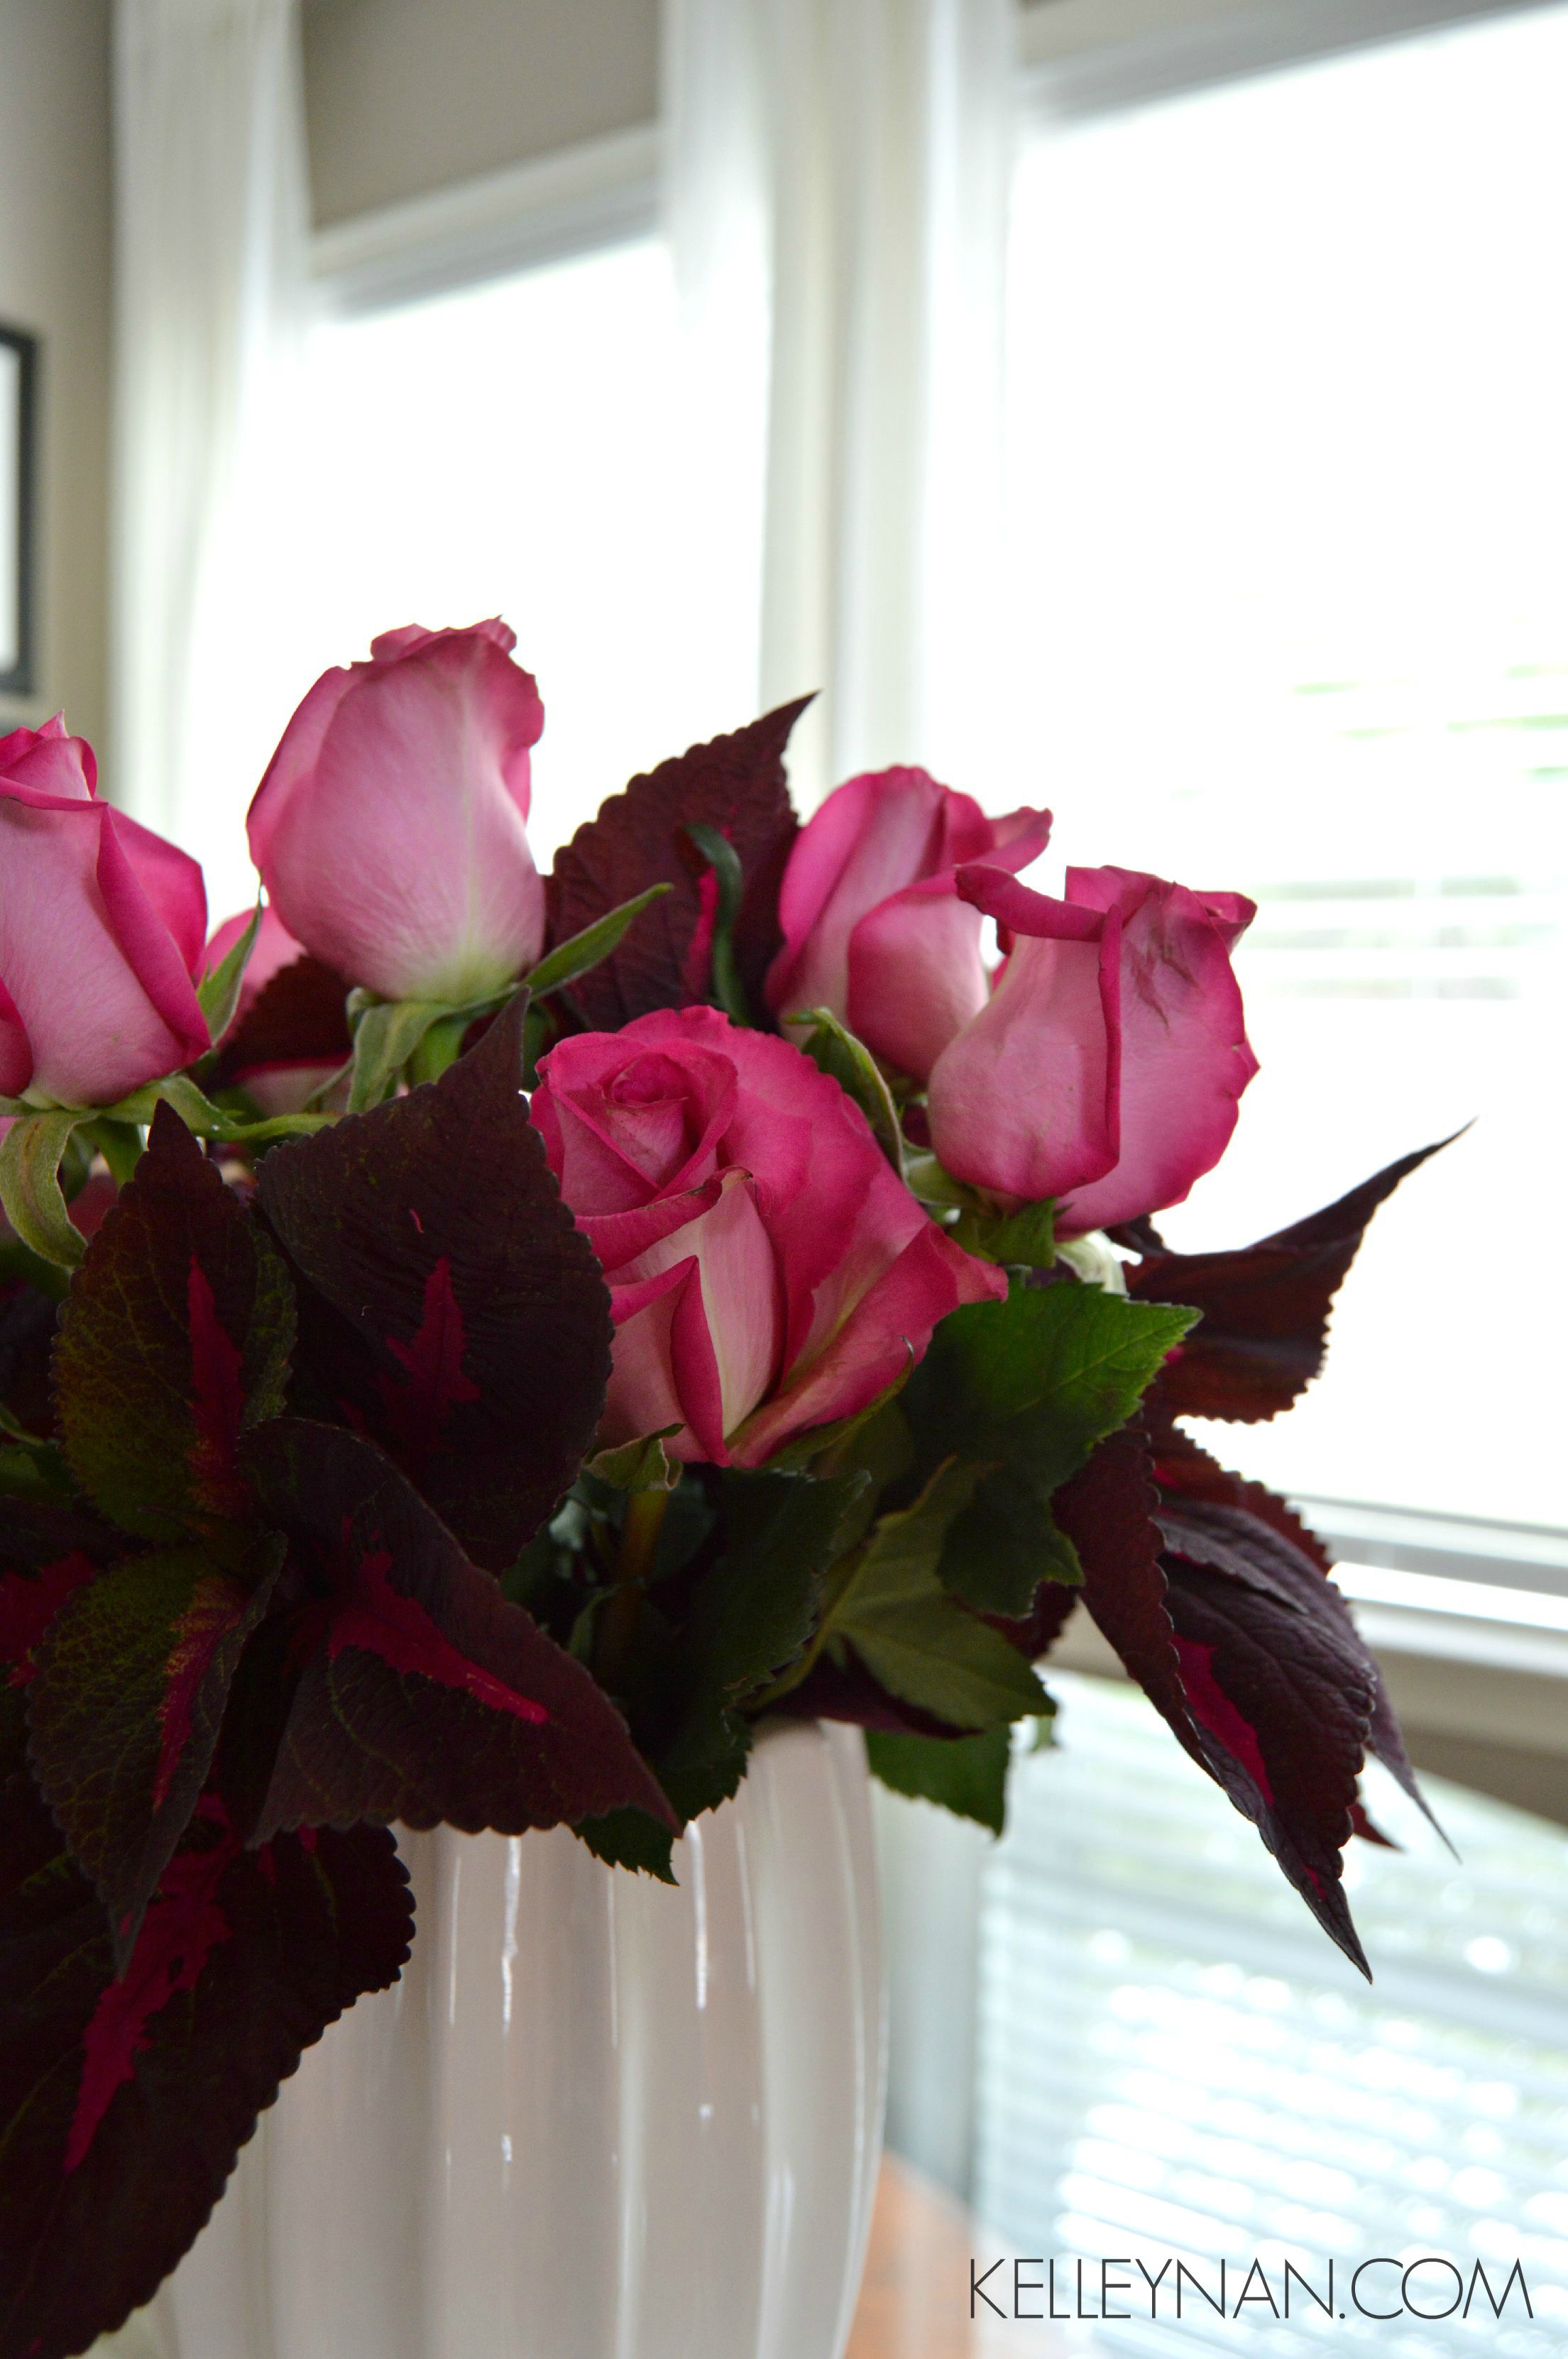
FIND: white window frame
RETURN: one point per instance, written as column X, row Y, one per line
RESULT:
column 593, row 195
column 1071, row 71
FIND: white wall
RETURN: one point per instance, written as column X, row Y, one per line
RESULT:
column 405, row 96
column 54, row 281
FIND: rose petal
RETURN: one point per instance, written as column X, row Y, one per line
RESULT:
column 1025, row 1100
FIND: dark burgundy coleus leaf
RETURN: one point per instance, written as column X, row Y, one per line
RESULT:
column 1187, row 1476
column 1265, row 1309
column 1281, row 1689
column 1107, row 1510
column 127, row 1702
column 448, row 1306
column 1246, row 1648
column 175, row 1338
column 124, row 2102
column 735, row 784
column 27, row 1332
column 297, row 1018
column 419, row 1692
column 46, row 1553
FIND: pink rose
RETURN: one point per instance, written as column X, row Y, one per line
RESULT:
column 873, row 925
column 389, row 828
column 272, row 949
column 768, row 1271
column 102, row 925
column 1106, row 1067
column 279, row 1084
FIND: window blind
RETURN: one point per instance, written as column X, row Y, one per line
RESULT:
column 1173, row 2060
column 1287, row 497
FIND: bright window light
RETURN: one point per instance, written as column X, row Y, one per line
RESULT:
column 1290, row 495
column 1175, row 2062
column 507, row 449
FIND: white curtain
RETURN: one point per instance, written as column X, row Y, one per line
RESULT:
column 837, row 185
column 210, row 230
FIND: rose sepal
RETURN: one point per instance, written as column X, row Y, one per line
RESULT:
column 218, row 993
column 836, row 1050
column 34, row 1148
column 417, row 1039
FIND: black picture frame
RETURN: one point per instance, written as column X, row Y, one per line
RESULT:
column 18, row 577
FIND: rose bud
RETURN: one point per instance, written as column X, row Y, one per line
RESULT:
column 272, row 949
column 768, row 1271
column 389, row 828
column 1106, row 1067
column 102, row 927
column 874, row 928
column 301, row 1049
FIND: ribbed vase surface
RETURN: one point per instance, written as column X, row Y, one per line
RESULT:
column 598, row 2118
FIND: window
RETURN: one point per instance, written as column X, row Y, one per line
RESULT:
column 506, row 449
column 1289, row 496
column 1173, row 2060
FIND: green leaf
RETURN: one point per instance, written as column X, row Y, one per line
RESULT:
column 1004, row 1544
column 218, row 993
column 175, row 1339
column 584, row 952
column 628, row 1838
column 30, row 1155
column 836, row 1050
column 753, row 1614
column 385, row 1038
column 914, row 1636
column 1032, row 1386
column 639, row 1465
column 754, row 1611
column 965, row 1775
column 1025, row 1239
column 724, row 861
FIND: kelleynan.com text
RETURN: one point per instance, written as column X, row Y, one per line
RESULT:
column 1381, row 2287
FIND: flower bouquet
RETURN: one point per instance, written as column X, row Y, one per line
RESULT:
column 474, row 1347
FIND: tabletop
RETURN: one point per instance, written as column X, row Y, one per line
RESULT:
column 914, row 2303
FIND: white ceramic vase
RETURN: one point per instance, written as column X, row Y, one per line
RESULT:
column 598, row 2118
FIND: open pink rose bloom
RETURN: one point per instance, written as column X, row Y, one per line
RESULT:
column 767, row 1270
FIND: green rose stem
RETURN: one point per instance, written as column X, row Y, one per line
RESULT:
column 120, row 1145
column 622, row 1608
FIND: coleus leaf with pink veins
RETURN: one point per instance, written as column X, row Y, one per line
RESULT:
column 449, row 1307
column 733, row 785
column 125, row 2100
column 418, row 1692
